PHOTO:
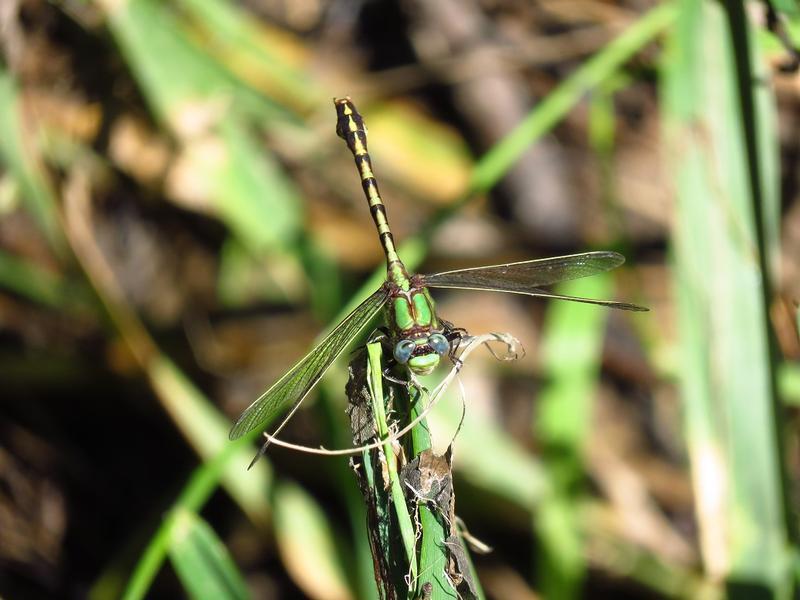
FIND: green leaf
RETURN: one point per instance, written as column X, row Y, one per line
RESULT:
column 432, row 532
column 375, row 384
column 202, row 562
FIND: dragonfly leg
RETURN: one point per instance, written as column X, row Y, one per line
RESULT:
column 379, row 334
column 457, row 362
column 389, row 377
column 454, row 335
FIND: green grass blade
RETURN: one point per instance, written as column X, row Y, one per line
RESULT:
column 789, row 383
column 572, row 345
column 202, row 562
column 724, row 158
column 433, row 554
column 789, row 8
column 31, row 281
column 375, row 383
column 252, row 193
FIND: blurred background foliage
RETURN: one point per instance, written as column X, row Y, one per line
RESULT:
column 179, row 221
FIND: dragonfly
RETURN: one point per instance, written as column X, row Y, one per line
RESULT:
column 419, row 339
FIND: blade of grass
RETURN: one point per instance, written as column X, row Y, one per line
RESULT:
column 723, row 153
column 433, row 554
column 375, row 383
column 202, row 562
column 790, row 8
column 572, row 344
column 28, row 279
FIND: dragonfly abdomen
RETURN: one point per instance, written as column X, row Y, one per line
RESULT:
column 350, row 127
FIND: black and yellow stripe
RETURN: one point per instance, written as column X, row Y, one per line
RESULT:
column 350, row 127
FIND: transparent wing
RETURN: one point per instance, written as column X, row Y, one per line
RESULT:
column 289, row 390
column 526, row 277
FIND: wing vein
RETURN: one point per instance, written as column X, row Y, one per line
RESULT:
column 525, row 277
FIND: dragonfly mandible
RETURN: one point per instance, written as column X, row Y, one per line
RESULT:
column 419, row 339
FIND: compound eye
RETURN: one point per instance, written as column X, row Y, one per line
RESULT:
column 439, row 344
column 403, row 350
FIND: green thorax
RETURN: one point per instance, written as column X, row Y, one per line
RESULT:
column 411, row 311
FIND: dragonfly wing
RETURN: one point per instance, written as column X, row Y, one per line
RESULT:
column 290, row 389
column 522, row 276
column 526, row 277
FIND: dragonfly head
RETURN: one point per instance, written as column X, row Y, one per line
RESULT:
column 422, row 353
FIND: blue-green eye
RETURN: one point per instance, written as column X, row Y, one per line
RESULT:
column 439, row 344
column 403, row 350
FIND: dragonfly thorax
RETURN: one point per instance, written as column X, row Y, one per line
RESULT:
column 418, row 336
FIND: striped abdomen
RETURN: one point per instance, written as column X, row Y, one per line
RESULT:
column 350, row 127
